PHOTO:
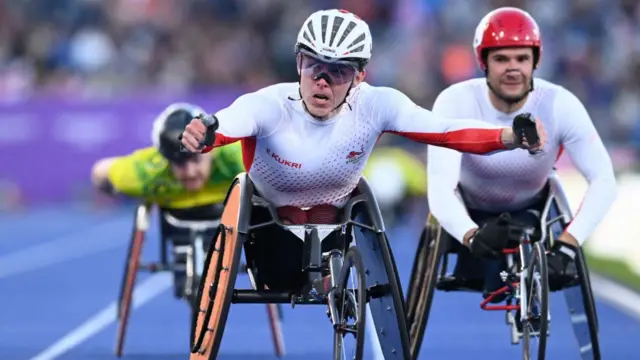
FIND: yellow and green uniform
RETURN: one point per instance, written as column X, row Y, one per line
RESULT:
column 147, row 175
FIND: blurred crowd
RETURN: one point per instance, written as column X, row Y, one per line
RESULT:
column 107, row 47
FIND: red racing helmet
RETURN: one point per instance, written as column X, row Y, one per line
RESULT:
column 507, row 27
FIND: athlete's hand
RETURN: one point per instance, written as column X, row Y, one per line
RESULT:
column 542, row 135
column 488, row 241
column 193, row 135
column 512, row 140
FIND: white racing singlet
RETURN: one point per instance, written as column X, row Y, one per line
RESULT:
column 510, row 181
column 294, row 159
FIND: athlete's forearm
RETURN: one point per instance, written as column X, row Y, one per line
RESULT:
column 443, row 170
column 596, row 203
column 593, row 162
column 582, row 142
column 465, row 135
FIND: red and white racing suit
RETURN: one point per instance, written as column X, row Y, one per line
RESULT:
column 510, row 181
column 298, row 161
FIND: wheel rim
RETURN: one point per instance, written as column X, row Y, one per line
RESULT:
column 423, row 291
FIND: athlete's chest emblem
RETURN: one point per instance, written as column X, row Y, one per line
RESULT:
column 355, row 156
column 282, row 161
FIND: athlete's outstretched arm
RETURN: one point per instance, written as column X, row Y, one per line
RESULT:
column 402, row 116
column 588, row 154
column 250, row 115
column 443, row 173
column 119, row 175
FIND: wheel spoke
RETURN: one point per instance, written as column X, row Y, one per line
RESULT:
column 351, row 302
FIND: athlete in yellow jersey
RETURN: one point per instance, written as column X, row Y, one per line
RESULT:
column 188, row 186
column 398, row 180
column 163, row 175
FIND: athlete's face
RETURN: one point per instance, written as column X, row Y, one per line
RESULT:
column 324, row 85
column 194, row 173
column 510, row 71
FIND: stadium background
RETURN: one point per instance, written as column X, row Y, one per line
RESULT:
column 83, row 79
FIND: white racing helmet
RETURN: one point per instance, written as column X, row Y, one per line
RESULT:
column 336, row 35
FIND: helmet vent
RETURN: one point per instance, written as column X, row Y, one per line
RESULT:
column 310, row 28
column 357, row 41
column 346, row 32
column 323, row 28
column 337, row 21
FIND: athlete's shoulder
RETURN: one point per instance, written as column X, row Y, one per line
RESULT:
column 279, row 91
column 472, row 87
column 369, row 96
column 149, row 161
column 131, row 173
column 553, row 95
column 546, row 88
column 364, row 89
column 146, row 153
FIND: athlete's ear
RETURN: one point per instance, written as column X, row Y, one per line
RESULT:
column 360, row 77
column 298, row 62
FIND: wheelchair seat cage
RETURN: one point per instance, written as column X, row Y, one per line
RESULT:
column 433, row 254
column 360, row 224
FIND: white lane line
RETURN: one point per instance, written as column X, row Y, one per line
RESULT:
column 76, row 245
column 145, row 292
column 617, row 295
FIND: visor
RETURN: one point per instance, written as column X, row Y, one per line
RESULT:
column 338, row 71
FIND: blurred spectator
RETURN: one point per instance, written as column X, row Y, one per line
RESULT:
column 107, row 47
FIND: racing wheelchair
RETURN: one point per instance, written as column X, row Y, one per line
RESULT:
column 187, row 240
column 361, row 257
column 525, row 291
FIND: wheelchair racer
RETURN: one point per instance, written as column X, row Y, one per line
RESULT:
column 306, row 143
column 163, row 175
column 188, row 186
column 510, row 187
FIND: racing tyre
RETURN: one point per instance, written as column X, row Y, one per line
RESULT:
column 535, row 305
column 129, row 277
column 194, row 309
column 351, row 303
column 424, row 276
column 589, row 307
column 216, row 287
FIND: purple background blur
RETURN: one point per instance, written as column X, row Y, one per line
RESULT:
column 48, row 144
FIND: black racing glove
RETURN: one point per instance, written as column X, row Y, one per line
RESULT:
column 562, row 266
column 489, row 241
column 211, row 122
column 524, row 128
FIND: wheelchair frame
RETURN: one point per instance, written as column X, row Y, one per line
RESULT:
column 361, row 220
column 192, row 267
column 433, row 252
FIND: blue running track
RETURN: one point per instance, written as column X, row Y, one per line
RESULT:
column 60, row 271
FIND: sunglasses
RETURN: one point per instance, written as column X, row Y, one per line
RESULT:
column 339, row 72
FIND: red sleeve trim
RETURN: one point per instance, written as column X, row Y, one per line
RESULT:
column 475, row 141
column 221, row 140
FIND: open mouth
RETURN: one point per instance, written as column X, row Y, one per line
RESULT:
column 321, row 99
